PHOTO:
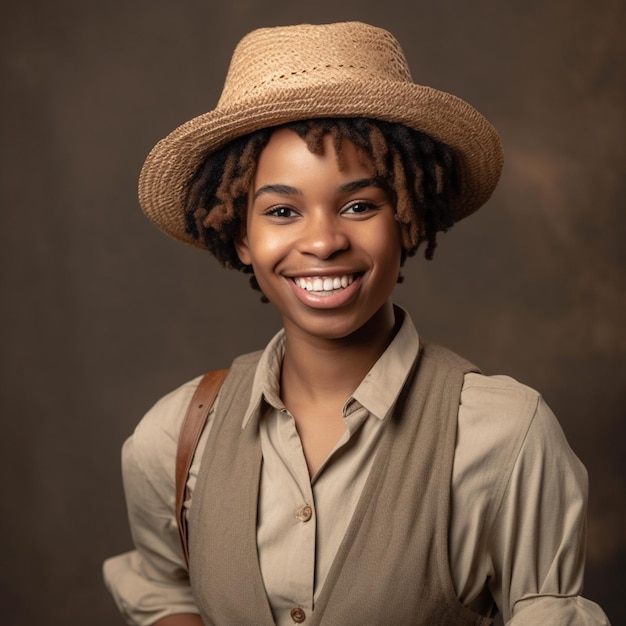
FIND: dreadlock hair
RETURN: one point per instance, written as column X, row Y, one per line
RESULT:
column 418, row 171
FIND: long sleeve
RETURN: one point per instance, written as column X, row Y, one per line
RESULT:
column 151, row 581
column 538, row 539
column 518, row 506
column 519, row 498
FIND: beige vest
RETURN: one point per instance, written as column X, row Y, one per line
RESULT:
column 392, row 566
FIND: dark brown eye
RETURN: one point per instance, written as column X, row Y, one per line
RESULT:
column 359, row 207
column 281, row 211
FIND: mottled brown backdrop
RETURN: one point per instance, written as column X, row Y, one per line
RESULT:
column 101, row 314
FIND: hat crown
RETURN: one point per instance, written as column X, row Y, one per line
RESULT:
column 274, row 59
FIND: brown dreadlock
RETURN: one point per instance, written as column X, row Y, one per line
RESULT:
column 418, row 171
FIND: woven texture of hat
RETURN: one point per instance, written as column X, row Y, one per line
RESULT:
column 312, row 55
column 283, row 74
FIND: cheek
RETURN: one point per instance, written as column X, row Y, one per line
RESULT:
column 267, row 247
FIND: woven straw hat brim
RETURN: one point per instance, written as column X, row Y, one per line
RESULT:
column 174, row 161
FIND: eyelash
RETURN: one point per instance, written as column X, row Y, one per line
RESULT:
column 367, row 206
column 274, row 211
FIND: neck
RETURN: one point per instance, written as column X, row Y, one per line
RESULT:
column 331, row 369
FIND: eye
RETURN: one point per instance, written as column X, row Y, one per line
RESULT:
column 359, row 207
column 281, row 211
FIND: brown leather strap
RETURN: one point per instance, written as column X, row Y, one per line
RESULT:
column 196, row 418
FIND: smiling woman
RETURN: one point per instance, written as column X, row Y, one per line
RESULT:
column 424, row 198
column 350, row 473
column 310, row 222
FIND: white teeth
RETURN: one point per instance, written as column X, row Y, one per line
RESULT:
column 324, row 284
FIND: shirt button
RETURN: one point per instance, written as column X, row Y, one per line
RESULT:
column 304, row 514
column 298, row 615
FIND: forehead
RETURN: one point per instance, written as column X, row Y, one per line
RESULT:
column 288, row 154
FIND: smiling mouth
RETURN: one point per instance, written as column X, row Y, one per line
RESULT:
column 324, row 285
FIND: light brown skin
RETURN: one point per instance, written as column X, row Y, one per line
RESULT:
column 308, row 218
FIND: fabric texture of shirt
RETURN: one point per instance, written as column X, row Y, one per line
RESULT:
column 400, row 524
column 518, row 501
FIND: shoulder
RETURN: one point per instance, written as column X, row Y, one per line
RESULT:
column 495, row 415
column 499, row 398
column 444, row 357
column 499, row 411
column 246, row 363
column 163, row 420
column 500, row 406
column 151, row 449
column 503, row 424
column 153, row 444
column 509, row 441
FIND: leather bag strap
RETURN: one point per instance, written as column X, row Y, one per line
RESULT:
column 195, row 420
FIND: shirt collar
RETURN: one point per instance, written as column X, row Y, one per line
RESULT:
column 377, row 392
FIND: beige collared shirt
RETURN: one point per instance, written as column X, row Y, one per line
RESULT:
column 517, row 514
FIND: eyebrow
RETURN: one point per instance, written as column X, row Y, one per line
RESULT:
column 287, row 190
column 283, row 190
column 364, row 183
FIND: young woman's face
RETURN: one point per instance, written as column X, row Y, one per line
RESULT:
column 323, row 242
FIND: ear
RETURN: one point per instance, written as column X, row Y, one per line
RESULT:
column 242, row 247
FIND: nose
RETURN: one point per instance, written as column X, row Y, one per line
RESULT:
column 323, row 236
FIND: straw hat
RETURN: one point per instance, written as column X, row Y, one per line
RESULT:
column 282, row 74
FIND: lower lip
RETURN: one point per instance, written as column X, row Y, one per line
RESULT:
column 317, row 301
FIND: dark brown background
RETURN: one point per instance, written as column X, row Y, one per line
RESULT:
column 101, row 314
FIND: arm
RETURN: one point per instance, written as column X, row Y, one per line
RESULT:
column 537, row 543
column 151, row 583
